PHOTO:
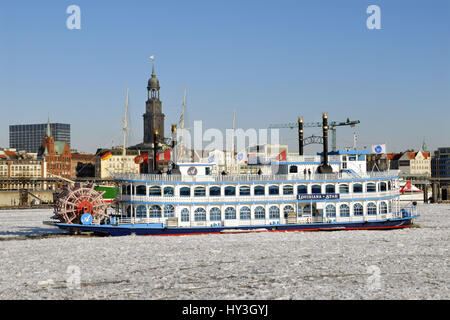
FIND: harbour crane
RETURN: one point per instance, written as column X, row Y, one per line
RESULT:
column 300, row 125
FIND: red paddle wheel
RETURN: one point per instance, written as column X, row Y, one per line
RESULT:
column 72, row 203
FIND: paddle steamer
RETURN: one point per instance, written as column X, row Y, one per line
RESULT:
column 327, row 191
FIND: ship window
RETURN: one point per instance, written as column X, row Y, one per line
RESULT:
column 155, row 191
column 185, row 192
column 260, row 213
column 302, row 189
column 215, row 214
column 358, row 209
column 128, row 190
column 230, row 191
column 330, row 211
column 245, row 213
column 389, row 185
column 299, row 211
column 344, row 210
column 316, row 189
column 274, row 190
column 371, row 208
column 142, row 191
column 244, row 191
column 307, row 210
column 259, row 190
column 230, row 213
column 274, row 213
column 383, row 207
column 169, row 211
column 371, row 187
column 141, row 212
column 128, row 211
column 287, row 210
column 155, row 211
column 185, row 215
column 293, row 169
column 330, row 188
column 288, row 190
column 343, row 188
column 357, row 188
column 199, row 192
column 383, row 186
column 200, row 214
column 214, row 192
column 169, row 191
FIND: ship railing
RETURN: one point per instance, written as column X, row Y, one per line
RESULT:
column 134, row 220
column 254, row 198
column 254, row 177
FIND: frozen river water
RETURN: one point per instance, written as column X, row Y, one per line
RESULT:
column 412, row 263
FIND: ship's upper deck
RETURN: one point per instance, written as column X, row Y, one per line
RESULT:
column 340, row 176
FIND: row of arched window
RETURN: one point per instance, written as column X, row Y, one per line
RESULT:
column 258, row 190
column 215, row 213
column 358, row 209
column 260, row 212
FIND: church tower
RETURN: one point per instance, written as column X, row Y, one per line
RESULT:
column 153, row 116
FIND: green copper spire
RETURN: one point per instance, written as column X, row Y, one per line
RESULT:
column 424, row 146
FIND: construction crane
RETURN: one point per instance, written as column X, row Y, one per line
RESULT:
column 300, row 125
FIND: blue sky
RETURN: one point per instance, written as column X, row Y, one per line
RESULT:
column 270, row 61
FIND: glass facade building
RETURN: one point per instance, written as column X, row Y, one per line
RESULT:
column 440, row 163
column 29, row 137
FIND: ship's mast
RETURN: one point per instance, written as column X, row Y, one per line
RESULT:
column 124, row 151
column 180, row 157
column 233, row 162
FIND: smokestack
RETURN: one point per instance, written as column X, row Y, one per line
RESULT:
column 325, row 167
column 300, row 136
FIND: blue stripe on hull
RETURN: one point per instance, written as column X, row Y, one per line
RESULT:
column 142, row 230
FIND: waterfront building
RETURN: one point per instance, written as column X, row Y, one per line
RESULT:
column 29, row 137
column 109, row 162
column 413, row 163
column 57, row 155
column 440, row 171
column 441, row 163
column 83, row 165
column 16, row 166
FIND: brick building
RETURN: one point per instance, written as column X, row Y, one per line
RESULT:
column 57, row 155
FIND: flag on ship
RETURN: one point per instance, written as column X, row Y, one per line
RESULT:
column 241, row 157
column 163, row 156
column 379, row 148
column 106, row 156
column 282, row 156
column 141, row 158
